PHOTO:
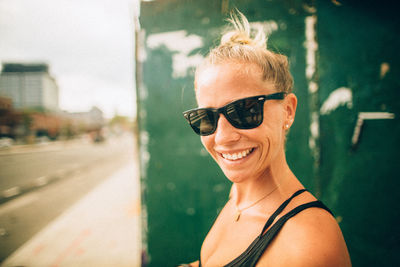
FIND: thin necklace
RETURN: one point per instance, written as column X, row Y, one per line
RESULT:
column 239, row 211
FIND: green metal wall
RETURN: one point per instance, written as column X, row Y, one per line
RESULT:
column 360, row 183
column 183, row 189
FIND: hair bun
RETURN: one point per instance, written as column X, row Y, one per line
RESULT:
column 242, row 32
column 235, row 37
column 248, row 44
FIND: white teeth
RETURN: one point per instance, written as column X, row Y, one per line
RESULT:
column 238, row 155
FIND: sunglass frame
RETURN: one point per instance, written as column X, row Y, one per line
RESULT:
column 223, row 110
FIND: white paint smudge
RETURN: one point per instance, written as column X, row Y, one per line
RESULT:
column 314, row 126
column 268, row 27
column 143, row 92
column 340, row 97
column 311, row 143
column 182, row 44
column 314, row 131
column 311, row 46
column 141, row 56
column 312, row 87
column 311, row 49
column 144, row 152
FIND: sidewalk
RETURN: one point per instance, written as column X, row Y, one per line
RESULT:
column 102, row 229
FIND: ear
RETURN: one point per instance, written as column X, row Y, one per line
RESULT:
column 290, row 105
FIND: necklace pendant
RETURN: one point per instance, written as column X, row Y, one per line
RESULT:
column 237, row 216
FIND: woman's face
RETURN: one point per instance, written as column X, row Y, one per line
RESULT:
column 243, row 154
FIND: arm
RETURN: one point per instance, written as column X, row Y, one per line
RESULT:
column 192, row 264
column 310, row 239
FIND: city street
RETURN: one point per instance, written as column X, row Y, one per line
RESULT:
column 42, row 182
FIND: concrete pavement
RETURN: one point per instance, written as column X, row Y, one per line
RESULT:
column 102, row 229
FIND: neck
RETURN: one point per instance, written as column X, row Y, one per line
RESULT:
column 273, row 180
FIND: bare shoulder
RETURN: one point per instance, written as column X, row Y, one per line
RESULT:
column 311, row 238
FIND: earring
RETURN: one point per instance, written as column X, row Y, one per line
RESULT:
column 287, row 125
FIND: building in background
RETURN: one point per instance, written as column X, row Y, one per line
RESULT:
column 92, row 120
column 29, row 86
column 29, row 107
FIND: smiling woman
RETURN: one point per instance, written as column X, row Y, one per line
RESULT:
column 246, row 107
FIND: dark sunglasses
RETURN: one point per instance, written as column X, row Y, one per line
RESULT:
column 245, row 113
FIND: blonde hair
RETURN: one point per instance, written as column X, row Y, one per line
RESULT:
column 239, row 46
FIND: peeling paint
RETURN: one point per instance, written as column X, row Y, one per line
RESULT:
column 339, row 97
column 336, row 3
column 385, row 67
column 143, row 92
column 311, row 46
column 182, row 44
column 314, row 126
column 144, row 152
column 314, row 131
column 362, row 116
column 311, row 143
column 312, row 87
column 309, row 9
column 268, row 27
column 141, row 56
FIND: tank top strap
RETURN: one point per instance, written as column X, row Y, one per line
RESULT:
column 264, row 241
column 280, row 209
column 274, row 230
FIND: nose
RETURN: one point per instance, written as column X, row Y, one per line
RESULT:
column 225, row 132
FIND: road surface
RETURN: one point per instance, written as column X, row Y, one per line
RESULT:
column 63, row 174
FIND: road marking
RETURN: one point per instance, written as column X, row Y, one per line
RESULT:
column 3, row 232
column 13, row 191
column 43, row 180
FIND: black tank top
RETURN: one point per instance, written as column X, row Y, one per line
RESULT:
column 256, row 249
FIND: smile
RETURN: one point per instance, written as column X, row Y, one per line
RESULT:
column 237, row 155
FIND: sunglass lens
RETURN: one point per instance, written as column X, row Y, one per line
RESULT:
column 203, row 121
column 245, row 114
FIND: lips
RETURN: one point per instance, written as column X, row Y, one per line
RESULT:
column 237, row 155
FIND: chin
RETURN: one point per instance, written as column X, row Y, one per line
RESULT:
column 235, row 177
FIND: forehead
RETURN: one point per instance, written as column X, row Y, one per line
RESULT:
column 217, row 85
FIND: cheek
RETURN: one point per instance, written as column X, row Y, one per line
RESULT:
column 273, row 127
column 269, row 137
column 265, row 140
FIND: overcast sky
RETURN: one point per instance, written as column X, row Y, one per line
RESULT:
column 88, row 45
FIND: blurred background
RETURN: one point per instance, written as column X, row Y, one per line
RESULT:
column 98, row 166
column 68, row 177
